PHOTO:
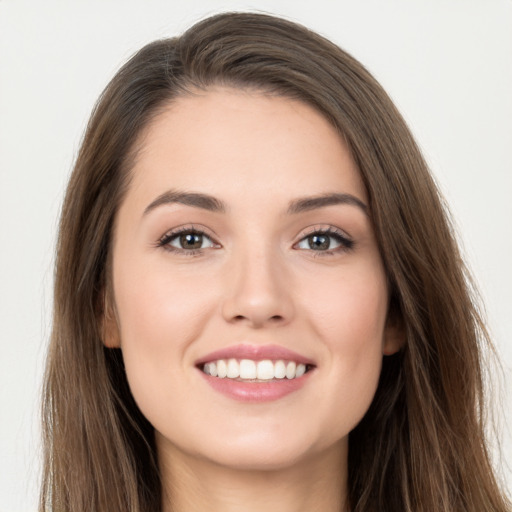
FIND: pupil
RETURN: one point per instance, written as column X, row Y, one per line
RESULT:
column 191, row 241
column 319, row 242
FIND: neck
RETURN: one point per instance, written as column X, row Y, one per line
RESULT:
column 318, row 483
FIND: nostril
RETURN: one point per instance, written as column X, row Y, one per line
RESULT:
column 272, row 319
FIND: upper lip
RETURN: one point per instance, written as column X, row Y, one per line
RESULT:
column 255, row 352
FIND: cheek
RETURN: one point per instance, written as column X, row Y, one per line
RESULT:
column 349, row 317
column 349, row 310
column 157, row 308
column 159, row 316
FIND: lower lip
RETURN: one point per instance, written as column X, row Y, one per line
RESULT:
column 256, row 391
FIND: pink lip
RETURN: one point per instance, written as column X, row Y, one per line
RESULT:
column 255, row 352
column 256, row 391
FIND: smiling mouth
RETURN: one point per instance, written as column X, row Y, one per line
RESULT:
column 248, row 370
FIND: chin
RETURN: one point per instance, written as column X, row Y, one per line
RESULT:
column 262, row 450
column 260, row 459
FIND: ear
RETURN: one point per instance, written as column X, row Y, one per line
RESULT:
column 108, row 323
column 394, row 332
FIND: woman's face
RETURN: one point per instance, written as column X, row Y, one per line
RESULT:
column 244, row 236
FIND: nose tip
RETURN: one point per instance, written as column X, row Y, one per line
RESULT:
column 259, row 296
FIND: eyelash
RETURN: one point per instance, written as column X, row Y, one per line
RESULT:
column 345, row 243
column 165, row 241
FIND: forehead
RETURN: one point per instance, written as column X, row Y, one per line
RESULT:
column 231, row 143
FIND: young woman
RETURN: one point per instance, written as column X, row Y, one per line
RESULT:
column 259, row 302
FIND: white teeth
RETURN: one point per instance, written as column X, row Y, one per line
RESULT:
column 265, row 370
column 222, row 369
column 290, row 370
column 301, row 370
column 247, row 369
column 233, row 369
column 213, row 370
column 280, row 370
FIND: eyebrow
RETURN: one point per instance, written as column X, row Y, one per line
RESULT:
column 312, row 203
column 212, row 204
column 194, row 199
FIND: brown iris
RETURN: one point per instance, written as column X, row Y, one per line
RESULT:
column 319, row 242
column 191, row 240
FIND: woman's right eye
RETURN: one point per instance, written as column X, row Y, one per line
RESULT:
column 186, row 241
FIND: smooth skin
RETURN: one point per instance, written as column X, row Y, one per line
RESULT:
column 188, row 280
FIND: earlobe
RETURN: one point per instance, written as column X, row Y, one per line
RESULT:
column 392, row 343
column 110, row 333
column 109, row 326
column 394, row 334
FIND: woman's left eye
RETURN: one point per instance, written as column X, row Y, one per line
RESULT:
column 325, row 241
column 186, row 241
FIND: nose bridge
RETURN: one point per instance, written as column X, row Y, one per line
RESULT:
column 258, row 292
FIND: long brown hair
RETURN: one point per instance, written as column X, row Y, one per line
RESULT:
column 421, row 445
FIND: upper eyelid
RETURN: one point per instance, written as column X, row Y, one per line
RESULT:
column 333, row 230
column 203, row 230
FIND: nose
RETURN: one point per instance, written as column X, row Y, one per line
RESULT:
column 259, row 291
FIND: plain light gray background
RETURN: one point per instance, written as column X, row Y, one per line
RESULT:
column 447, row 65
